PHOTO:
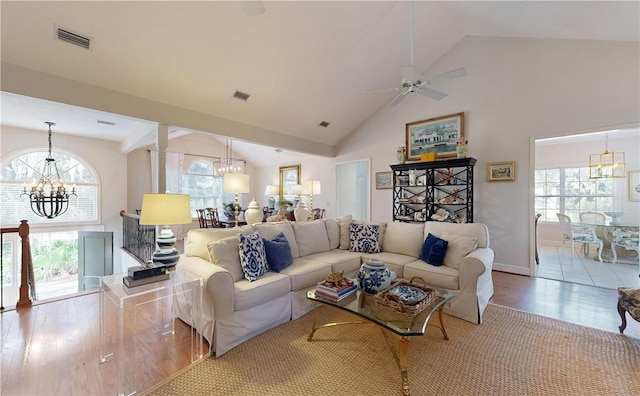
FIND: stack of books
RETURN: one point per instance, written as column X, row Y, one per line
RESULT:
column 336, row 291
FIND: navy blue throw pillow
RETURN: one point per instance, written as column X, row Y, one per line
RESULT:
column 433, row 250
column 278, row 252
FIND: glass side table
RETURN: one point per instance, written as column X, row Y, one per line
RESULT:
column 134, row 321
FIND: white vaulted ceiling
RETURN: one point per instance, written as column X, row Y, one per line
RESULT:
column 302, row 62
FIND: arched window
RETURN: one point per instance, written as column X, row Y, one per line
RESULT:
column 203, row 187
column 23, row 168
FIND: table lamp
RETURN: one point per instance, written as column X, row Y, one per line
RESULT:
column 165, row 210
column 236, row 183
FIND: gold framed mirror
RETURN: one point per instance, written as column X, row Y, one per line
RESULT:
column 289, row 176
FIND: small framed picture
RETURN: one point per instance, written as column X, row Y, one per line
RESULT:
column 634, row 186
column 384, row 180
column 501, row 171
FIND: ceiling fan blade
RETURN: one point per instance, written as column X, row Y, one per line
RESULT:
column 382, row 90
column 449, row 75
column 398, row 99
column 431, row 93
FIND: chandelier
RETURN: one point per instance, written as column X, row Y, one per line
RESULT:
column 608, row 165
column 48, row 196
column 229, row 164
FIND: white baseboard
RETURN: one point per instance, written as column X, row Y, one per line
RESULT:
column 512, row 269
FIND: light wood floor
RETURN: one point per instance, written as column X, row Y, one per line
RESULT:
column 53, row 349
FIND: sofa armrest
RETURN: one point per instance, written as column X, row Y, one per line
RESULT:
column 217, row 280
column 474, row 265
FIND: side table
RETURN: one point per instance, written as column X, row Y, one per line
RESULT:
column 136, row 320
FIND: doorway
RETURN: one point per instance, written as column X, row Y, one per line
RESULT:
column 353, row 183
column 561, row 184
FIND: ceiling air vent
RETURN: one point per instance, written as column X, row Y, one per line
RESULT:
column 323, row 124
column 105, row 122
column 70, row 37
column 241, row 95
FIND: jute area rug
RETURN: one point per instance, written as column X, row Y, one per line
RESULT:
column 511, row 353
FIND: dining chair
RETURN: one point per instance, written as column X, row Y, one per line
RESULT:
column 318, row 213
column 574, row 233
column 593, row 218
column 208, row 218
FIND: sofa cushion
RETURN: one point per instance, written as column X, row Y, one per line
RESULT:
column 403, row 238
column 344, row 222
column 433, row 250
column 443, row 276
column 199, row 238
column 333, row 232
column 311, row 237
column 340, row 260
column 364, row 238
column 305, row 274
column 225, row 253
column 252, row 256
column 459, row 247
column 269, row 287
column 271, row 230
column 474, row 230
column 278, row 252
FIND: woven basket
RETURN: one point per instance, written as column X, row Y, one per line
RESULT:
column 395, row 303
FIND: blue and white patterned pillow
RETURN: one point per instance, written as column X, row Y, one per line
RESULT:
column 364, row 238
column 253, row 257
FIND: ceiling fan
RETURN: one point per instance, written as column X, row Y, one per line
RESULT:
column 412, row 82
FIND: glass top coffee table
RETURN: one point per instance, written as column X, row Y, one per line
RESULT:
column 391, row 323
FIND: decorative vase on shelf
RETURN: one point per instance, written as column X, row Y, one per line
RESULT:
column 253, row 214
column 462, row 150
column 374, row 276
column 401, row 155
column 412, row 177
column 301, row 213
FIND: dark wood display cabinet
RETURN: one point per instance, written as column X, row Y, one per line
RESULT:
column 439, row 190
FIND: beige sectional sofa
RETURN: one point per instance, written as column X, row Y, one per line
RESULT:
column 235, row 309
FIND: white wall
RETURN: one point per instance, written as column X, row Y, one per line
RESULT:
column 516, row 90
column 103, row 155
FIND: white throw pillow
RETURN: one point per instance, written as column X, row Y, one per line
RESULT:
column 458, row 248
column 225, row 253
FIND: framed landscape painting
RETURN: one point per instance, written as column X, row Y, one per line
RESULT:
column 501, row 171
column 384, row 180
column 436, row 135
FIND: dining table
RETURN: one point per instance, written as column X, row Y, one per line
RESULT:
column 621, row 236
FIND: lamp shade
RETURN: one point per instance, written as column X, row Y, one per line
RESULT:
column 271, row 190
column 165, row 209
column 236, row 183
column 296, row 189
column 311, row 187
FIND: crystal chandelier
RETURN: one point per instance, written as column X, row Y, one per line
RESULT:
column 609, row 164
column 49, row 197
column 228, row 164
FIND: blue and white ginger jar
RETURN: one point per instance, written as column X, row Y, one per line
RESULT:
column 374, row 276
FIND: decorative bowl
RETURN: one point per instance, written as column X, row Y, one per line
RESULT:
column 615, row 217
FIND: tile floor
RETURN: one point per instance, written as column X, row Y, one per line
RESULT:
column 559, row 265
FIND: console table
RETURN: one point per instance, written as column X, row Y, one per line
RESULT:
column 132, row 320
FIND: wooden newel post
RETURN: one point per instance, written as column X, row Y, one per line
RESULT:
column 26, row 268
